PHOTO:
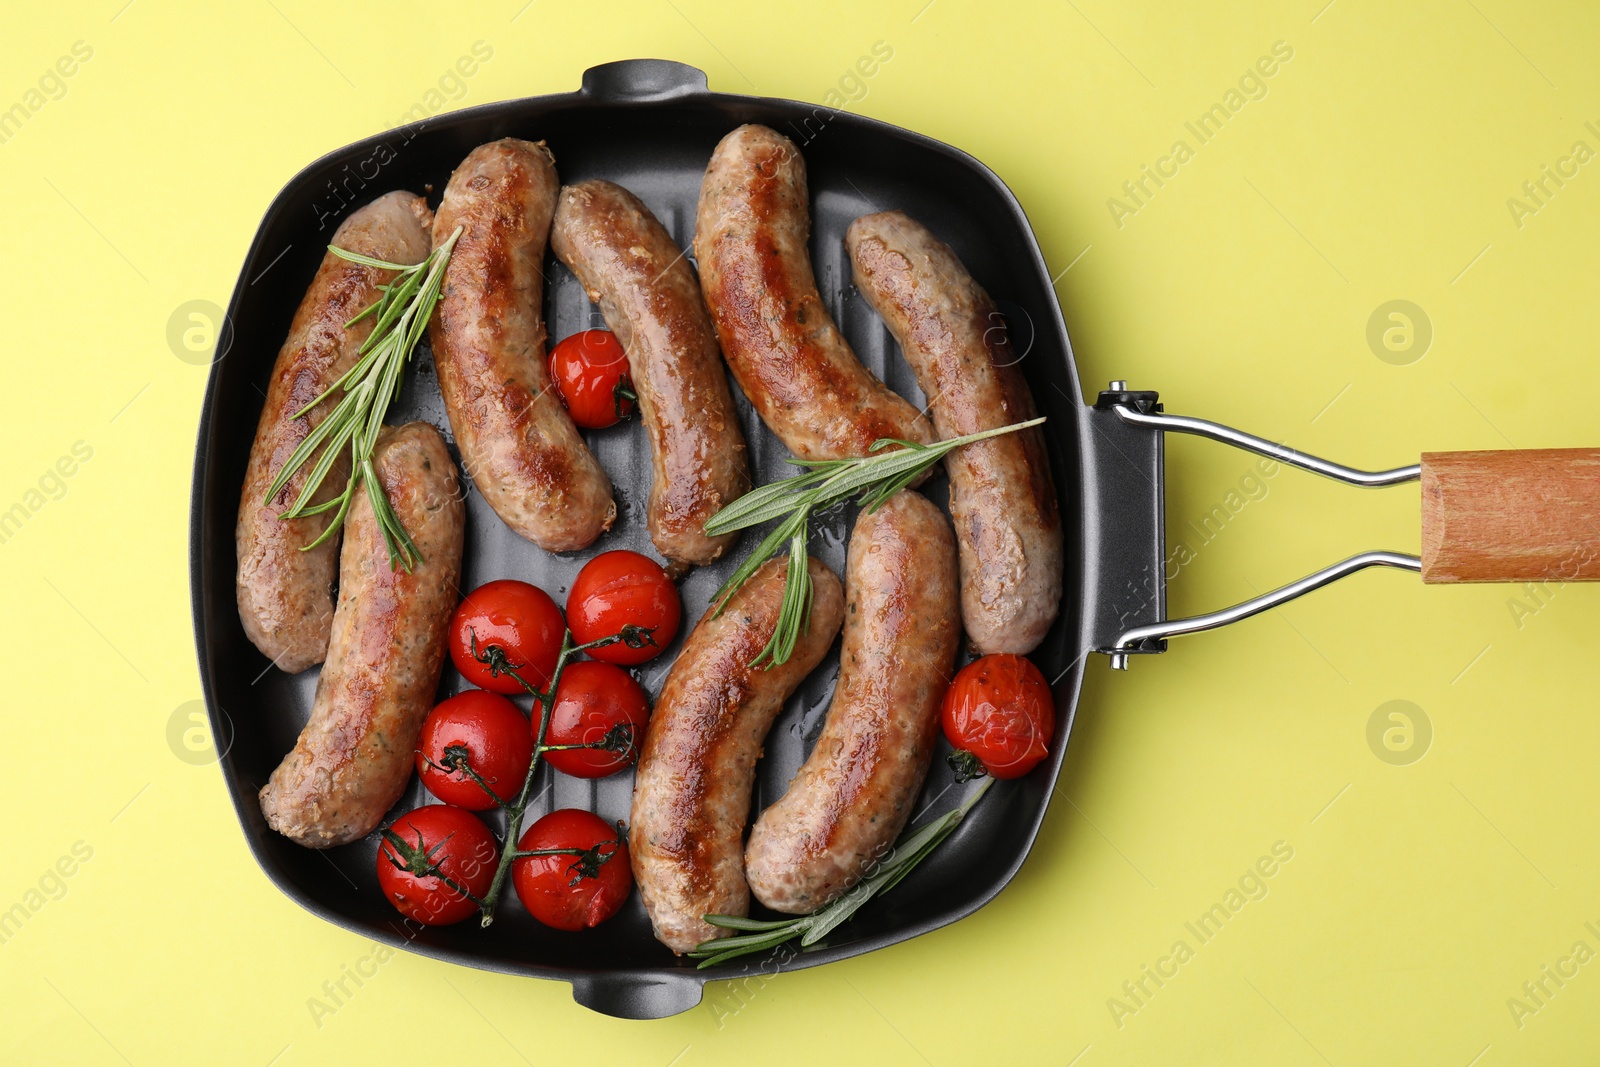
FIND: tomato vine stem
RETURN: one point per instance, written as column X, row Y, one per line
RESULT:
column 495, row 657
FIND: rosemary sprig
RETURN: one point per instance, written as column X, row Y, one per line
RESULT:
column 402, row 315
column 759, row 936
column 872, row 478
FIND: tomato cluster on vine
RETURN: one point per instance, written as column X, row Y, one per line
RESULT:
column 478, row 750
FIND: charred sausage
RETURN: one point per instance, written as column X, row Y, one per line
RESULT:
column 356, row 753
column 855, row 791
column 285, row 595
column 691, row 799
column 1001, row 496
column 630, row 266
column 517, row 442
column 751, row 233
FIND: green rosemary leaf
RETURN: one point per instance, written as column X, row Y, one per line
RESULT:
column 723, row 957
column 401, row 315
column 872, row 479
column 907, row 854
column 343, row 500
column 344, row 430
column 762, row 505
column 394, row 532
column 752, row 562
column 367, row 261
column 739, row 922
column 345, row 382
column 795, row 611
column 747, row 941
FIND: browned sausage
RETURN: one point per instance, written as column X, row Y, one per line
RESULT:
column 1001, row 496
column 902, row 626
column 751, row 234
column 691, row 799
column 630, row 266
column 518, row 444
column 286, row 595
column 356, row 753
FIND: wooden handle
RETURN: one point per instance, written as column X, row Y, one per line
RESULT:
column 1520, row 516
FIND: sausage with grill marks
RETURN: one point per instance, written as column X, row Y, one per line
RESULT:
column 285, row 595
column 691, row 798
column 356, row 753
column 854, row 793
column 1002, row 499
column 630, row 266
column 517, row 442
column 751, row 232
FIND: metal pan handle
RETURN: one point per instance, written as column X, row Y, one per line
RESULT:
column 1141, row 409
column 643, row 80
column 637, row 996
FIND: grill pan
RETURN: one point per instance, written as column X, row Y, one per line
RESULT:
column 651, row 125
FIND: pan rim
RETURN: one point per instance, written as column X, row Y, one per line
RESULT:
column 1070, row 448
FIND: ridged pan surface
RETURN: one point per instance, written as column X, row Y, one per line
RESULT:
column 658, row 148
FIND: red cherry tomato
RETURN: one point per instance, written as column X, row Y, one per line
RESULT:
column 521, row 620
column 596, row 704
column 590, row 370
column 619, row 589
column 578, row 888
column 999, row 708
column 489, row 735
column 425, row 847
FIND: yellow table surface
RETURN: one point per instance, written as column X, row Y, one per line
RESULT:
column 1426, row 900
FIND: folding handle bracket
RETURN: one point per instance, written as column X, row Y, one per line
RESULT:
column 1131, row 408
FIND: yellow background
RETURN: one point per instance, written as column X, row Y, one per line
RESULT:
column 1420, row 897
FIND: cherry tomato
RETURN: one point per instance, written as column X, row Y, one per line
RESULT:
column 999, row 708
column 425, row 847
column 596, row 704
column 577, row 888
column 521, row 620
column 590, row 370
column 619, row 589
column 487, row 733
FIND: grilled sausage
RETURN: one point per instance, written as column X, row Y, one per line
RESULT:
column 855, row 791
column 1001, row 496
column 751, row 233
column 356, row 753
column 517, row 442
column 286, row 595
column 630, row 266
column 691, row 799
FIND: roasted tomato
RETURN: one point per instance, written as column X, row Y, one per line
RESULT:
column 433, row 861
column 582, row 876
column 601, row 713
column 518, row 619
column 620, row 590
column 999, row 711
column 590, row 370
column 474, row 743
